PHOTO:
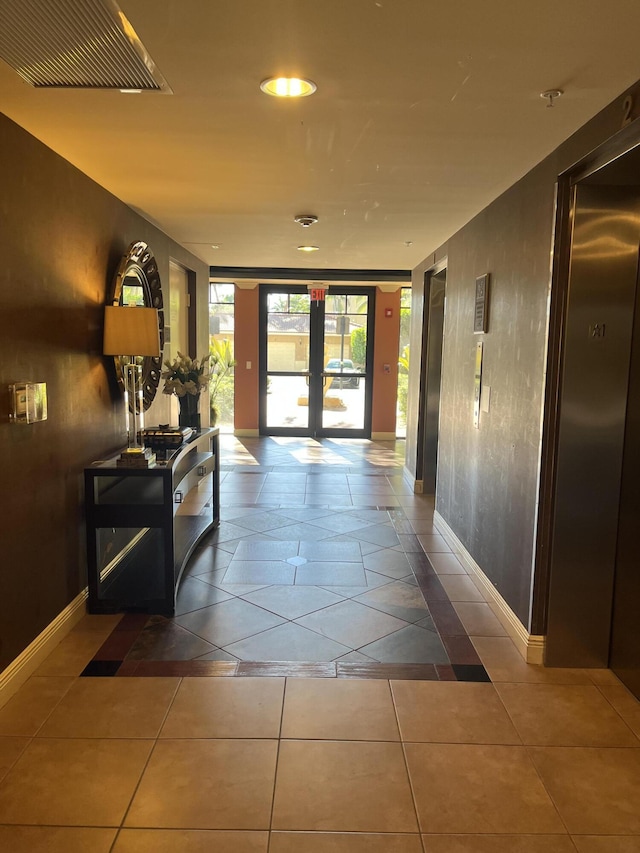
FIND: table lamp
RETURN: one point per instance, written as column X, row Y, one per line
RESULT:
column 129, row 332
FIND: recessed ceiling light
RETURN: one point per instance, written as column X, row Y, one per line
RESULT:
column 215, row 245
column 308, row 248
column 288, row 87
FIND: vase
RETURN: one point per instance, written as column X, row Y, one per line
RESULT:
column 189, row 411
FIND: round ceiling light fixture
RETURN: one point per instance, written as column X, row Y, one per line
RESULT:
column 288, row 87
column 305, row 219
column 308, row 248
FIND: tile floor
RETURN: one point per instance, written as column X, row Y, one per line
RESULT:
column 535, row 761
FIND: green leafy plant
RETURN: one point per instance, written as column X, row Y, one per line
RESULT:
column 221, row 378
column 359, row 346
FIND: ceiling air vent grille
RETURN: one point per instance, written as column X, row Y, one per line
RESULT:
column 75, row 44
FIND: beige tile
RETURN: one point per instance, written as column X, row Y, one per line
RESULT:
column 72, row 654
column 342, row 786
column 479, row 789
column 564, row 715
column 460, row 588
column 498, row 844
column 451, row 712
column 55, row 839
column 102, row 624
column 339, row 709
column 206, row 784
column 447, row 564
column 433, row 543
column 112, row 707
column 504, row 662
column 337, row 842
column 604, row 676
column 424, row 525
column 625, row 704
column 27, row 710
column 226, row 708
column 190, row 841
column 11, row 749
column 607, row 843
column 478, row 618
column 596, row 791
column 73, row 782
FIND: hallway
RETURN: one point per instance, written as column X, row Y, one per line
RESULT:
column 378, row 730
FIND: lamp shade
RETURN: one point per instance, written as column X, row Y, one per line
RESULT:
column 131, row 331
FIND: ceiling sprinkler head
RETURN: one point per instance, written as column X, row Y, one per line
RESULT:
column 551, row 95
column 305, row 219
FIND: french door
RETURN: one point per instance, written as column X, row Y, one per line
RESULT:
column 315, row 361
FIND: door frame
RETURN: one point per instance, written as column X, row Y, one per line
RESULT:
column 544, row 592
column 316, row 336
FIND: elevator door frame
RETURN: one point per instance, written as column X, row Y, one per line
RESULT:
column 548, row 592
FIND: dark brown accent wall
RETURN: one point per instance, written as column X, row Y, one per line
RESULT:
column 488, row 478
column 61, row 237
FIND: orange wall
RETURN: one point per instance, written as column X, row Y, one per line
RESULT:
column 246, row 349
column 246, row 346
column 385, row 385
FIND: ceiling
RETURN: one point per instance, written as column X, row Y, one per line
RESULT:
column 424, row 113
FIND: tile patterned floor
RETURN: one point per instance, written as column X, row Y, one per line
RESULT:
column 397, row 758
column 324, row 555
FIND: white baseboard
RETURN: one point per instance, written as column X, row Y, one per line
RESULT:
column 19, row 670
column 247, row 433
column 383, row 436
column 530, row 646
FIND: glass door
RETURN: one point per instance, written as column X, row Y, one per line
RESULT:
column 315, row 363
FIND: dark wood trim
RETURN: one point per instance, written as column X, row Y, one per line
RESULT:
column 268, row 274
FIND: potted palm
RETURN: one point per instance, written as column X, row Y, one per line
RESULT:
column 221, row 364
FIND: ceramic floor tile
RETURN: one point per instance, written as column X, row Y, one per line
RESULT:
column 344, row 552
column 379, row 534
column 335, row 842
column 433, row 543
column 625, row 704
column 112, row 708
column 163, row 639
column 291, row 602
column 393, row 564
column 338, row 709
column 503, row 662
column 194, row 593
column 399, row 599
column 228, row 622
column 27, row 710
column 479, row 789
column 498, row 844
column 11, row 748
column 301, row 531
column 408, row 645
column 452, row 712
column 596, row 791
column 460, row 587
column 424, row 525
column 478, row 618
column 103, row 624
column 606, row 844
column 267, row 550
column 287, row 642
column 259, row 572
column 206, row 784
column 190, row 841
column 330, row 574
column 351, row 624
column 564, row 715
column 56, row 839
column 72, row 654
column 342, row 786
column 446, row 564
column 226, row 708
column 335, row 523
column 73, row 782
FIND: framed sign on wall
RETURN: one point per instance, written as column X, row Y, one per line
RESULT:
column 481, row 313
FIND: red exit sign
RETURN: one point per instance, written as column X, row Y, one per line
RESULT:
column 317, row 294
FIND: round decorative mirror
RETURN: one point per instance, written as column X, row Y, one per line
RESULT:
column 137, row 283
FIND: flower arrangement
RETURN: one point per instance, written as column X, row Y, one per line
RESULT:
column 186, row 376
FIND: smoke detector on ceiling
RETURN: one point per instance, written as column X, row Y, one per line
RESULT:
column 305, row 219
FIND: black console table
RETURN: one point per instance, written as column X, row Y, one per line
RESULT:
column 143, row 524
